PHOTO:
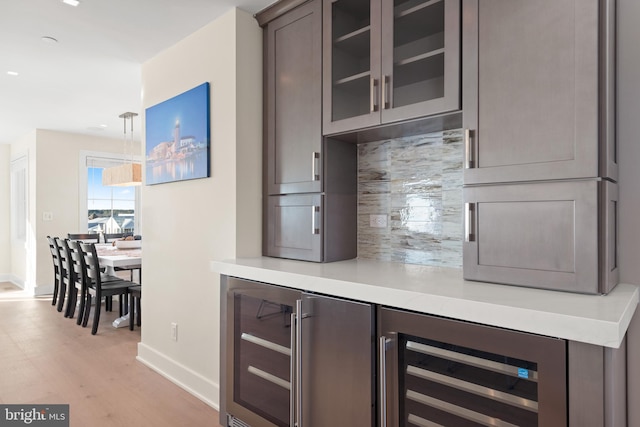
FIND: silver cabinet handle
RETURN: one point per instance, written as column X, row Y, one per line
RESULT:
column 383, row 381
column 385, row 95
column 298, row 381
column 315, row 158
column 292, row 372
column 373, row 95
column 315, row 211
column 470, row 160
column 469, row 222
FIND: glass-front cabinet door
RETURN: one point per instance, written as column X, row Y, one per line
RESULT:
column 421, row 62
column 351, row 66
column 387, row 61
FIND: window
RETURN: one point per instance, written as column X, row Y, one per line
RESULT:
column 106, row 209
column 19, row 198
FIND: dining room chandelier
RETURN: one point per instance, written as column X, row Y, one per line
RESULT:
column 129, row 173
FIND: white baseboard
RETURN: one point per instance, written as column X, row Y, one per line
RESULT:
column 191, row 381
column 13, row 279
column 43, row 290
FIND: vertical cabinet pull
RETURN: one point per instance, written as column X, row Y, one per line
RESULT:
column 469, row 222
column 373, row 96
column 469, row 157
column 292, row 371
column 315, row 159
column 383, row 381
column 385, row 94
column 315, row 211
column 298, row 381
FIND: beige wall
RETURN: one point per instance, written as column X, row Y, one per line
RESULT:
column 187, row 224
column 54, row 174
column 5, row 220
column 629, row 156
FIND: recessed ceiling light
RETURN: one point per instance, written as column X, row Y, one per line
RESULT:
column 12, row 73
column 103, row 126
column 49, row 39
column 71, row 2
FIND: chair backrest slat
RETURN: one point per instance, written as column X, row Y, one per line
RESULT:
column 64, row 262
column 90, row 264
column 84, row 237
column 110, row 237
column 55, row 255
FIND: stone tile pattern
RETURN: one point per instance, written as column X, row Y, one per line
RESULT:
column 417, row 182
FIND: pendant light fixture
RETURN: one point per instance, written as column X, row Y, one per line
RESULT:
column 129, row 173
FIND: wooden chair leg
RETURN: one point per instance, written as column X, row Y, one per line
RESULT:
column 131, row 311
column 82, row 308
column 139, row 311
column 71, row 302
column 55, row 292
column 96, row 316
column 63, row 291
column 87, row 310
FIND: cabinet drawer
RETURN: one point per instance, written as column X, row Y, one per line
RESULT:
column 294, row 227
column 551, row 235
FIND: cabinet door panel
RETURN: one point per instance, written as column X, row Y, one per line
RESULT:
column 532, row 76
column 542, row 235
column 294, row 227
column 421, row 58
column 351, row 65
column 337, row 362
column 294, row 103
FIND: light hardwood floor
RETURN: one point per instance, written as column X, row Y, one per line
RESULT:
column 47, row 359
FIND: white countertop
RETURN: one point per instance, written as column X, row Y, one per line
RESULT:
column 593, row 319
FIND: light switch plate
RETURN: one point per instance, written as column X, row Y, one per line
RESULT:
column 378, row 221
column 47, row 216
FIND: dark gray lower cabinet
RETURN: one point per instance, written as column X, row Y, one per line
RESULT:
column 552, row 235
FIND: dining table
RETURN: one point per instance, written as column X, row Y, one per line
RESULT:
column 110, row 257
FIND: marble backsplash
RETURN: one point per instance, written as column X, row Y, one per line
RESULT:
column 417, row 183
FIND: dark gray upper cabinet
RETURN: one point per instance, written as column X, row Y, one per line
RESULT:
column 387, row 61
column 293, row 101
column 538, row 85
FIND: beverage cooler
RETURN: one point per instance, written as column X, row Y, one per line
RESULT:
column 293, row 358
column 441, row 372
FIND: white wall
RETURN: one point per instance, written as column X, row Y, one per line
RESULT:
column 629, row 183
column 5, row 219
column 187, row 224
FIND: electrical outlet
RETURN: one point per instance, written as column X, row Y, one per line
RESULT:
column 174, row 331
column 47, row 216
column 378, row 221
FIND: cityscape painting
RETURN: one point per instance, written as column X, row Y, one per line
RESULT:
column 177, row 137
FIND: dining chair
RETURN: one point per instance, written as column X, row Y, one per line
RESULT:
column 70, row 278
column 64, row 293
column 94, row 285
column 57, row 275
column 84, row 237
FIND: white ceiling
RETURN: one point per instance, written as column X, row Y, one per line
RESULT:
column 92, row 75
